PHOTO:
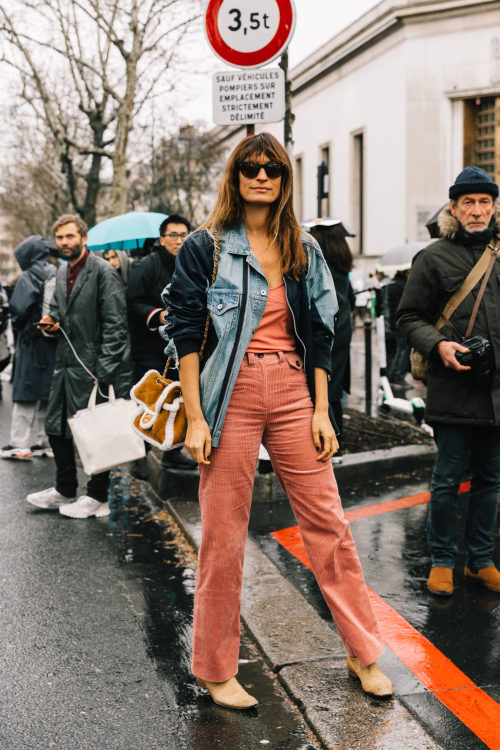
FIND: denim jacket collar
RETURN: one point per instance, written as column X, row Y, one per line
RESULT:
column 237, row 241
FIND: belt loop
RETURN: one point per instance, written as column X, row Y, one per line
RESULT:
column 250, row 358
column 281, row 357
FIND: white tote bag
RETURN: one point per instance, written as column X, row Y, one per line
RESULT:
column 103, row 433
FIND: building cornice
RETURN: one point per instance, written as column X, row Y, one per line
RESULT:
column 483, row 91
column 378, row 23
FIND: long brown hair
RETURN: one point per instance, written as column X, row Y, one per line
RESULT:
column 283, row 226
column 334, row 246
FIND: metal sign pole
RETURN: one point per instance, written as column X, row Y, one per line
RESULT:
column 289, row 118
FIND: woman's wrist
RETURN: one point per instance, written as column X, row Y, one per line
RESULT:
column 195, row 417
column 321, row 408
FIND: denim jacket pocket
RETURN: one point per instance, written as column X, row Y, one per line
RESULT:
column 223, row 306
column 219, row 301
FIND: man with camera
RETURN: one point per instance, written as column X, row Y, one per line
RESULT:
column 450, row 313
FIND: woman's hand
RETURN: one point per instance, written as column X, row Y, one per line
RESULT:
column 324, row 436
column 198, row 440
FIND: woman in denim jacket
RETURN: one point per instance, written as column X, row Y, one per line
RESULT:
column 263, row 378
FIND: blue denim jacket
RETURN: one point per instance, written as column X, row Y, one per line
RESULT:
column 236, row 302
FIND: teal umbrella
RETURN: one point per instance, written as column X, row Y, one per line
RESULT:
column 125, row 232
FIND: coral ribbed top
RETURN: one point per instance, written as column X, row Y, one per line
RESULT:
column 275, row 330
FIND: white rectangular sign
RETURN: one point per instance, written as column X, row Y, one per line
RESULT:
column 243, row 96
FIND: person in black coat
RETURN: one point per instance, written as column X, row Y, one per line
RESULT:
column 339, row 258
column 148, row 278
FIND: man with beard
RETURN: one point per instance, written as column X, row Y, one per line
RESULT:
column 463, row 396
column 89, row 306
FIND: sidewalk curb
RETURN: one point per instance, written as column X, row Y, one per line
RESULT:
column 355, row 468
column 309, row 658
column 305, row 653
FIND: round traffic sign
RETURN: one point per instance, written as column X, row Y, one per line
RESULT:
column 249, row 33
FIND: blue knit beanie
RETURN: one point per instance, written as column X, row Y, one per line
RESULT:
column 473, row 180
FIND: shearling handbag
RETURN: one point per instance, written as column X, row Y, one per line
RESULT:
column 483, row 268
column 161, row 415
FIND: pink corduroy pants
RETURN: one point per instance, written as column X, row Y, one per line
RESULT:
column 271, row 404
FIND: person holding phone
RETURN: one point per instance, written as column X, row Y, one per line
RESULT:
column 89, row 305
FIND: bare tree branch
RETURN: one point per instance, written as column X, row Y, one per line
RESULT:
column 88, row 71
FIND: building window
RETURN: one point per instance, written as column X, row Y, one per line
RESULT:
column 326, row 202
column 358, row 189
column 482, row 134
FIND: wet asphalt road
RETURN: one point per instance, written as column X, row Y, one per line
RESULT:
column 392, row 549
column 96, row 629
column 96, row 624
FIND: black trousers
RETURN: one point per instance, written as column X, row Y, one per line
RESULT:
column 66, row 478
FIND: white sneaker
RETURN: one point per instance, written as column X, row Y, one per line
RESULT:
column 42, row 451
column 85, row 507
column 21, row 454
column 103, row 511
column 49, row 499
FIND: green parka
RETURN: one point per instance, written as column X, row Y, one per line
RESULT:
column 95, row 319
column 437, row 272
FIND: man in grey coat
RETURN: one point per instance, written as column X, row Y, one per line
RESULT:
column 89, row 306
column 463, row 402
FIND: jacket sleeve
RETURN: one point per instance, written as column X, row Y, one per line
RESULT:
column 185, row 298
column 58, row 291
column 113, row 311
column 420, row 306
column 25, row 298
column 138, row 293
column 323, row 306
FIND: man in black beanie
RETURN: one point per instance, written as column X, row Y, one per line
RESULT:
column 463, row 400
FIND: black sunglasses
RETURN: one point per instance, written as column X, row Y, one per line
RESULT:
column 251, row 169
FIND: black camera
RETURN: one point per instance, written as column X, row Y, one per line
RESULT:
column 479, row 358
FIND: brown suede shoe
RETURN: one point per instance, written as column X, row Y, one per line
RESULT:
column 373, row 680
column 229, row 693
column 488, row 577
column 440, row 581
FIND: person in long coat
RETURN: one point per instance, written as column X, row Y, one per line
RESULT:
column 89, row 307
column 34, row 354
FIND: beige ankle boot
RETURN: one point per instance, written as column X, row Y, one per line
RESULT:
column 373, row 680
column 228, row 693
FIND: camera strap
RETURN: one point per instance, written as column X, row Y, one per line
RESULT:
column 483, row 267
column 495, row 253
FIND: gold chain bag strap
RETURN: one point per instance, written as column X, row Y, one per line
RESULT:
column 483, row 268
column 161, row 416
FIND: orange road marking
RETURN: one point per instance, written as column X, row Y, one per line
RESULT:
column 402, row 502
column 475, row 708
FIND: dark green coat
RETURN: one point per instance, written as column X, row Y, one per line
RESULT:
column 95, row 319
column 437, row 272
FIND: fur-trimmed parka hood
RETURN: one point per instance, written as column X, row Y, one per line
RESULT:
column 448, row 225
